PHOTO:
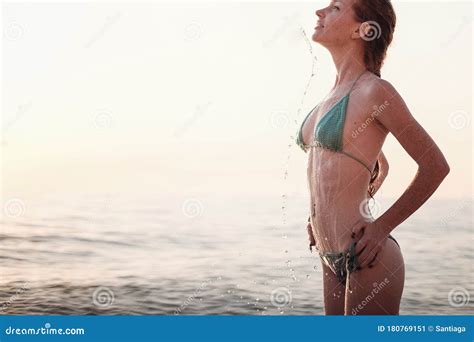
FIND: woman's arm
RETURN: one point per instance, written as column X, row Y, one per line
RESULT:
column 432, row 168
column 383, row 172
column 432, row 165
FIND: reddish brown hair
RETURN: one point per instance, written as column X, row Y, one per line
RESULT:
column 381, row 15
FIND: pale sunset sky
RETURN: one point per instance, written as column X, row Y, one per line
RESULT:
column 204, row 96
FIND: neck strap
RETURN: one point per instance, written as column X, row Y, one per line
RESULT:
column 353, row 84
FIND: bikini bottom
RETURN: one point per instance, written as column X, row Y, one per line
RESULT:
column 343, row 263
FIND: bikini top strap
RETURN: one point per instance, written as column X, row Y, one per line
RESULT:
column 353, row 84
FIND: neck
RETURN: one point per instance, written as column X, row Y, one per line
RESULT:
column 349, row 63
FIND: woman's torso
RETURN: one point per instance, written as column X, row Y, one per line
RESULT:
column 337, row 183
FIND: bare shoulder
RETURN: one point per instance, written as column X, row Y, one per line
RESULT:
column 397, row 119
column 375, row 90
column 392, row 111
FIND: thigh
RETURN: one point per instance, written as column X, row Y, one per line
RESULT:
column 378, row 290
column 334, row 292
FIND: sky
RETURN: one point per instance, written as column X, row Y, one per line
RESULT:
column 206, row 96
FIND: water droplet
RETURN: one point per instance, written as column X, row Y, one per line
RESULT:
column 308, row 276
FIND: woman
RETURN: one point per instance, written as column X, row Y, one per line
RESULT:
column 363, row 267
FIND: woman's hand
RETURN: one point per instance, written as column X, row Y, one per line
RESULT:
column 370, row 241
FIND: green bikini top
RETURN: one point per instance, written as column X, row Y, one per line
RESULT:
column 328, row 132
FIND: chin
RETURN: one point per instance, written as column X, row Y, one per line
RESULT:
column 316, row 37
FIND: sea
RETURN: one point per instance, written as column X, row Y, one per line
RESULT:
column 208, row 254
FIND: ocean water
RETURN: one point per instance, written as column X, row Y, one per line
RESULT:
column 117, row 254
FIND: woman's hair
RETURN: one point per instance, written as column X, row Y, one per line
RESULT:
column 382, row 19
